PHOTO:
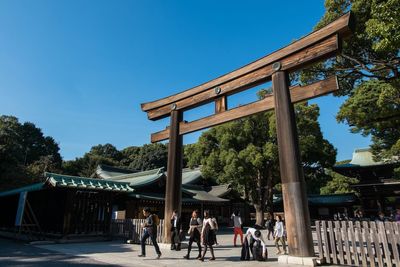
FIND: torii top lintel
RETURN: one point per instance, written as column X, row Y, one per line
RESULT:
column 318, row 45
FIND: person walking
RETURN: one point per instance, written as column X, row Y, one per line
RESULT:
column 237, row 227
column 176, row 230
column 279, row 235
column 150, row 230
column 270, row 224
column 207, row 235
column 194, row 232
column 215, row 222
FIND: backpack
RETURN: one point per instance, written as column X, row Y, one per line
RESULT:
column 156, row 219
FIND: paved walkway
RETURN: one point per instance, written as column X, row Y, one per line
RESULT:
column 118, row 253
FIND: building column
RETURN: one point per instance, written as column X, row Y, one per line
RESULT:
column 173, row 192
column 297, row 217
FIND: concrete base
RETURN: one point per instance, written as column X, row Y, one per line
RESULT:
column 305, row 261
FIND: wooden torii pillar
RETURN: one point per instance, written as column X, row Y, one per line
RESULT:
column 318, row 45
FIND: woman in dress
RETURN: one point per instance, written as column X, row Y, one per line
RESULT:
column 207, row 235
column 279, row 235
column 194, row 232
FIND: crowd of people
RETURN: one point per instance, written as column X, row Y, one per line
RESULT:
column 203, row 232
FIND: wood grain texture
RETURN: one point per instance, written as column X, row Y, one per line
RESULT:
column 342, row 26
column 221, row 104
column 324, row 49
column 297, row 93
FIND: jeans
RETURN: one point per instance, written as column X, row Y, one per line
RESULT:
column 153, row 240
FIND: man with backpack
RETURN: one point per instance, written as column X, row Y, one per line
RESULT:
column 150, row 230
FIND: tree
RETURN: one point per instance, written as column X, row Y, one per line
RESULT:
column 369, row 71
column 244, row 153
column 339, row 184
column 86, row 166
column 25, row 153
column 150, row 156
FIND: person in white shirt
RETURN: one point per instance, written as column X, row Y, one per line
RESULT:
column 279, row 235
column 237, row 227
column 207, row 235
column 255, row 236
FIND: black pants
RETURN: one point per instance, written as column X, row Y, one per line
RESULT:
column 153, row 239
column 175, row 240
column 194, row 238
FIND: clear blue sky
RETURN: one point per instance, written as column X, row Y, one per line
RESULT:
column 80, row 69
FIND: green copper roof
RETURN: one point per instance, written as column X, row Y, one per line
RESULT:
column 139, row 179
column 60, row 180
column 325, row 200
column 29, row 188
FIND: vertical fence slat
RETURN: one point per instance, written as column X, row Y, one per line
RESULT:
column 353, row 243
column 377, row 244
column 367, row 237
column 326, row 243
column 333, row 242
column 319, row 239
column 360, row 240
column 392, row 239
column 396, row 241
column 339, row 241
column 346, row 242
column 382, row 236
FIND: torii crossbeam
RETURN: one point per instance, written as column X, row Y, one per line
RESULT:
column 318, row 45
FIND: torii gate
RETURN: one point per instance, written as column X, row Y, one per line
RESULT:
column 318, row 45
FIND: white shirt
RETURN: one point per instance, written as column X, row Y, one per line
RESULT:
column 175, row 220
column 237, row 221
column 251, row 232
column 210, row 222
column 279, row 229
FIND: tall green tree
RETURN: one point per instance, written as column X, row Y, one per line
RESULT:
column 25, row 153
column 150, row 156
column 244, row 153
column 369, row 71
column 86, row 166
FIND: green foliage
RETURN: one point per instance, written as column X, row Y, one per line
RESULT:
column 147, row 157
column 339, row 184
column 25, row 153
column 368, row 68
column 244, row 153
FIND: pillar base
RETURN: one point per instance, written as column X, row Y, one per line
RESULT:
column 305, row 261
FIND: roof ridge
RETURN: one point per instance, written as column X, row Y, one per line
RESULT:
column 136, row 174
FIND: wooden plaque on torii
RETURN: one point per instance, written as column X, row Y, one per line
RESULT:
column 316, row 46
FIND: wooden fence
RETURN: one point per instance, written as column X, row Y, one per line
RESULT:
column 130, row 229
column 359, row 243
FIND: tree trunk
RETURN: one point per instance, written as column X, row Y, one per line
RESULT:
column 259, row 214
column 260, row 203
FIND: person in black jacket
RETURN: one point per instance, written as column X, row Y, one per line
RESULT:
column 176, row 230
column 150, row 230
column 195, row 226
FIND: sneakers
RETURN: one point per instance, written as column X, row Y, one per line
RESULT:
column 212, row 259
column 186, row 257
column 158, row 256
column 142, row 255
